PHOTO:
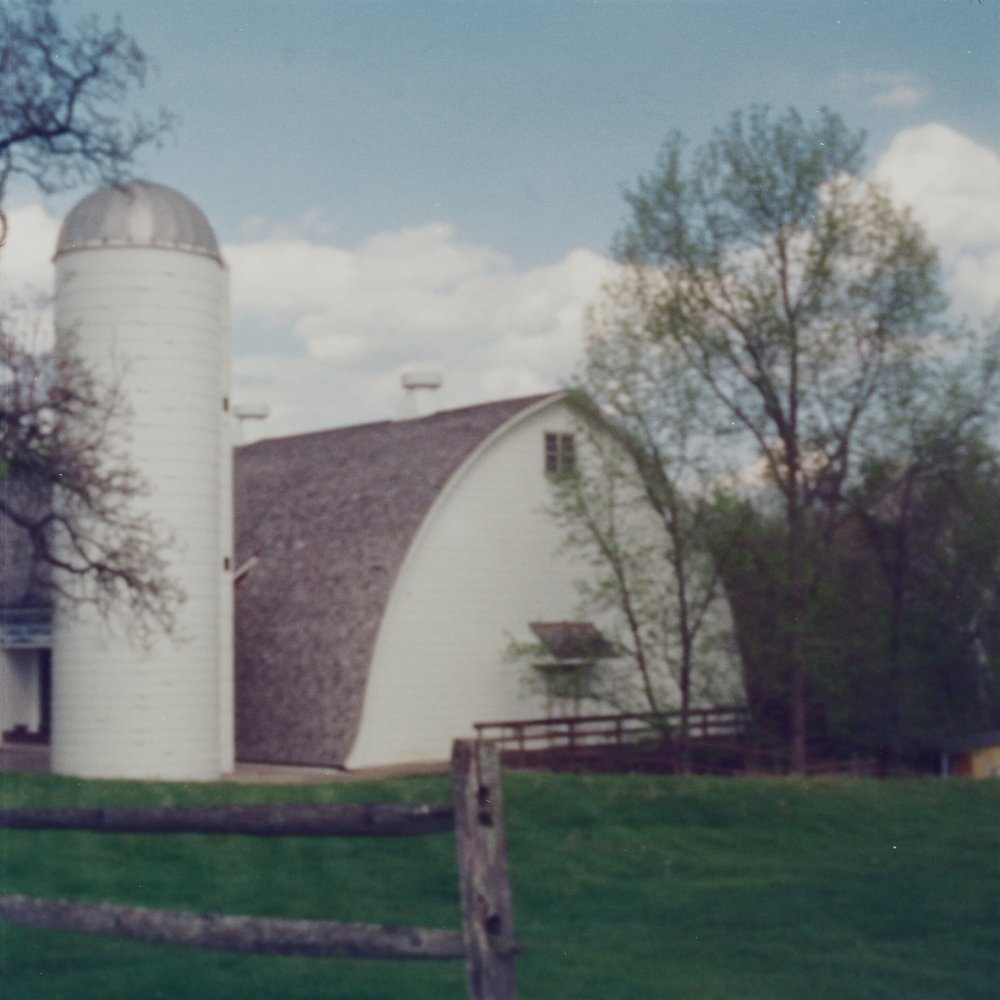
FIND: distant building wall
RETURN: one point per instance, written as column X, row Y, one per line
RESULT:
column 974, row 756
column 985, row 762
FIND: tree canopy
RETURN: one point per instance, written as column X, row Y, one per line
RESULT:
column 773, row 312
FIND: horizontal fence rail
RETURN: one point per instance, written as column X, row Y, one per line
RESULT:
column 618, row 730
column 487, row 941
column 333, row 820
column 719, row 741
column 255, row 935
column 598, row 730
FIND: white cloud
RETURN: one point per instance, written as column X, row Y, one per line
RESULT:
column 26, row 260
column 885, row 89
column 405, row 298
column 26, row 275
column 342, row 324
column 332, row 329
column 283, row 276
column 311, row 223
column 976, row 280
column 898, row 95
column 953, row 186
column 344, row 348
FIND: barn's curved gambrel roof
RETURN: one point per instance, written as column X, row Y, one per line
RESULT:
column 324, row 522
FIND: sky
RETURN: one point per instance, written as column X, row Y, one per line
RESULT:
column 401, row 183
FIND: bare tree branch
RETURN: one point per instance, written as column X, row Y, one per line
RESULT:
column 62, row 97
column 67, row 483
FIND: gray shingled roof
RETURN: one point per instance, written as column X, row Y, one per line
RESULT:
column 330, row 517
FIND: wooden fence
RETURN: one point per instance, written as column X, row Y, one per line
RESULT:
column 720, row 741
column 487, row 942
column 526, row 741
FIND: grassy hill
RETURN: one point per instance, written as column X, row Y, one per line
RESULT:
column 624, row 887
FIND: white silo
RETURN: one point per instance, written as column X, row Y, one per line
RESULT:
column 142, row 290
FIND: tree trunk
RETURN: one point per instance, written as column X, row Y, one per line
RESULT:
column 794, row 628
column 684, row 755
column 798, row 706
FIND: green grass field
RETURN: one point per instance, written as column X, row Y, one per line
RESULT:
column 624, row 887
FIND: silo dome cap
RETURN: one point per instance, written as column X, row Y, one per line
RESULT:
column 138, row 214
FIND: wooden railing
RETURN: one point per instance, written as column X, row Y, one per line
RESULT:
column 487, row 941
column 720, row 741
column 523, row 741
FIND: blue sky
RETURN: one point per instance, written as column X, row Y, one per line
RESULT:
column 438, row 182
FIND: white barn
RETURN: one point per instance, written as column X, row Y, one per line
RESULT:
column 383, row 571
column 379, row 572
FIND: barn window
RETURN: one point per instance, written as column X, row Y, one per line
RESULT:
column 560, row 453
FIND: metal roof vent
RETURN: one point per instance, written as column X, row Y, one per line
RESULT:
column 242, row 412
column 420, row 393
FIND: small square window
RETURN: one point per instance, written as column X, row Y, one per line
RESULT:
column 560, row 453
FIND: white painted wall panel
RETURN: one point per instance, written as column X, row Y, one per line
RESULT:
column 485, row 563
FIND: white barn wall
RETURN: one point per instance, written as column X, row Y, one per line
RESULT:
column 716, row 677
column 485, row 563
column 156, row 318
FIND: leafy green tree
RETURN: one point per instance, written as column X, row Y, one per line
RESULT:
column 904, row 623
column 792, row 293
column 926, row 501
column 636, row 507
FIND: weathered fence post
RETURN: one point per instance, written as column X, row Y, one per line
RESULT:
column 487, row 908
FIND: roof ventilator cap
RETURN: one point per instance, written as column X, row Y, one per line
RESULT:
column 420, row 397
